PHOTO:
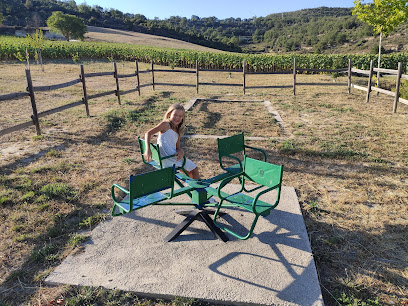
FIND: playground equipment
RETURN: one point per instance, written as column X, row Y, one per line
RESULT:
column 153, row 188
column 228, row 146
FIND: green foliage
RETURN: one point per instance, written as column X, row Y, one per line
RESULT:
column 351, row 300
column 92, row 221
column 76, row 240
column 59, row 191
column 36, row 41
column 404, row 89
column 46, row 253
column 383, row 15
column 115, row 120
column 75, row 57
column 70, row 26
column 19, row 56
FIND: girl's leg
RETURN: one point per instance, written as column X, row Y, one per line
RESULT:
column 194, row 174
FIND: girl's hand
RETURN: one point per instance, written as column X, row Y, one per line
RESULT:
column 180, row 154
column 148, row 155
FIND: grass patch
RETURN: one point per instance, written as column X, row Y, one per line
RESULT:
column 59, row 191
column 101, row 296
column 47, row 253
column 76, row 240
column 92, row 221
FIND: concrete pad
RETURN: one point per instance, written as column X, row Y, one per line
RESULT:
column 274, row 266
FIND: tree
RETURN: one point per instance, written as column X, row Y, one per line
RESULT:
column 37, row 41
column 384, row 16
column 68, row 25
column 1, row 18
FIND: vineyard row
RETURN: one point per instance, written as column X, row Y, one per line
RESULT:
column 12, row 48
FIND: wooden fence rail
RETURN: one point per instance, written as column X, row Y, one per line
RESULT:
column 83, row 76
column 369, row 88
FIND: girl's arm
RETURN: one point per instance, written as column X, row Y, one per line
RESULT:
column 180, row 151
column 161, row 127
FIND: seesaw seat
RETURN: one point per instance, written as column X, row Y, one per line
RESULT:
column 228, row 146
column 267, row 176
column 145, row 189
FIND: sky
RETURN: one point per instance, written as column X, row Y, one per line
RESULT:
column 205, row 8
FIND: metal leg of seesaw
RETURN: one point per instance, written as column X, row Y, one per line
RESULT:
column 196, row 214
column 198, row 196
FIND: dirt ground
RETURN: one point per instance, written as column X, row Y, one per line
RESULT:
column 347, row 159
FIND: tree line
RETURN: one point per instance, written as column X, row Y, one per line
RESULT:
column 310, row 29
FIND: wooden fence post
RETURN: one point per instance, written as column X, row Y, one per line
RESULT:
column 243, row 74
column 294, row 76
column 85, row 97
column 197, row 69
column 137, row 76
column 397, row 88
column 30, row 90
column 152, row 75
column 369, row 82
column 349, row 75
column 28, row 59
column 115, row 75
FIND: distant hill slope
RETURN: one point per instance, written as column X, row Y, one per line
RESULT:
column 129, row 37
column 317, row 30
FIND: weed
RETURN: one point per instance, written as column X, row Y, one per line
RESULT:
column 17, row 228
column 54, row 153
column 5, row 200
column 28, row 196
column 314, row 205
column 43, row 169
column 76, row 239
column 43, row 206
column 343, row 109
column 23, row 182
column 38, row 137
column 288, row 146
column 42, row 275
column 352, row 300
column 59, row 191
column 17, row 274
column 129, row 160
column 22, row 238
column 115, row 120
column 92, row 221
column 45, row 253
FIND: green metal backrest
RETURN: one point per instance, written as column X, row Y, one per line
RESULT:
column 155, row 152
column 150, row 182
column 230, row 145
column 263, row 173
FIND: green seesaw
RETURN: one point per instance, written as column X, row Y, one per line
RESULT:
column 153, row 188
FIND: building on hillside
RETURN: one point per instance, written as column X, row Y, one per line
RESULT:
column 22, row 32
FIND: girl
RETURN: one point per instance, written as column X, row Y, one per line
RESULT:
column 170, row 131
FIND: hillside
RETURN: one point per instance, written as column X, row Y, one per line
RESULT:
column 318, row 30
column 129, row 37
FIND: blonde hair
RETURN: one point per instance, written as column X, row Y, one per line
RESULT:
column 181, row 127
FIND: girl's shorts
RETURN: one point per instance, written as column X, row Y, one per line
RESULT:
column 189, row 166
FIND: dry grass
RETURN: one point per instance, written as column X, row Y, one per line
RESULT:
column 348, row 161
column 129, row 37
